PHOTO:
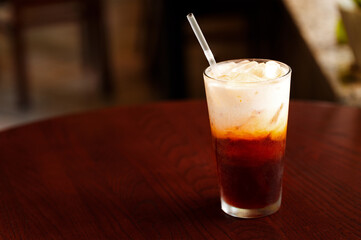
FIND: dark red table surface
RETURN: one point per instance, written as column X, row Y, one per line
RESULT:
column 147, row 172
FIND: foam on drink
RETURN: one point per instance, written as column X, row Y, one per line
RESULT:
column 248, row 99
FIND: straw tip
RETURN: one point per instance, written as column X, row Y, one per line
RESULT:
column 190, row 15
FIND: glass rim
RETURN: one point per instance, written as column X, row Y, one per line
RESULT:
column 284, row 76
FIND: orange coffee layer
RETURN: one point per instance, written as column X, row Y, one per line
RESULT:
column 241, row 133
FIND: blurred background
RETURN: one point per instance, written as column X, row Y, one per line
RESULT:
column 65, row 56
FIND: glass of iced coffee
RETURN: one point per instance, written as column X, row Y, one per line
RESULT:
column 248, row 110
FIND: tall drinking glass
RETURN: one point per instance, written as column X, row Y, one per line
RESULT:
column 248, row 110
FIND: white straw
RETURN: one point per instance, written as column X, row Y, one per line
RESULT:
column 202, row 41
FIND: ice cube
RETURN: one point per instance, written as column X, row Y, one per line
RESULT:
column 231, row 76
column 272, row 70
column 249, row 66
column 226, row 67
column 244, row 66
column 247, row 77
column 258, row 70
column 276, row 115
column 221, row 70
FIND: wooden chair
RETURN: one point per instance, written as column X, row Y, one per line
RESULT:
column 94, row 42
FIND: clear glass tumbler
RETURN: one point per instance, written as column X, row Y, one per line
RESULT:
column 249, row 124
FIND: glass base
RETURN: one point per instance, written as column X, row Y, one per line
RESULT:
column 250, row 213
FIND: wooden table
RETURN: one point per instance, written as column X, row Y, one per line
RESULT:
column 146, row 172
